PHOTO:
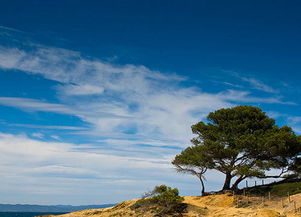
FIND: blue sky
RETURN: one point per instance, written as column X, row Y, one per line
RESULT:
column 97, row 97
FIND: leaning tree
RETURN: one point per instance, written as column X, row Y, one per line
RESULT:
column 194, row 161
column 240, row 142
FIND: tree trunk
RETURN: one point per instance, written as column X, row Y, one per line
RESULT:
column 203, row 186
column 227, row 181
column 235, row 184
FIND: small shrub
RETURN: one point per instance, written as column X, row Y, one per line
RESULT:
column 162, row 200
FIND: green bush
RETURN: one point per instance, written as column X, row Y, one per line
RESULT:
column 277, row 189
column 162, row 200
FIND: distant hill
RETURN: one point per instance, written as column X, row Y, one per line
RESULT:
column 41, row 208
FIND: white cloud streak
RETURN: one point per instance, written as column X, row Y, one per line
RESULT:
column 35, row 105
column 81, row 90
column 55, row 127
column 253, row 82
column 38, row 135
column 259, row 85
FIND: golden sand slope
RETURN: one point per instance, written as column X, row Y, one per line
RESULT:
column 210, row 206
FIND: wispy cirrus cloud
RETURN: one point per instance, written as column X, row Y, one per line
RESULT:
column 120, row 99
column 35, row 105
column 38, row 135
column 259, row 85
column 81, row 90
column 10, row 29
column 55, row 127
column 252, row 82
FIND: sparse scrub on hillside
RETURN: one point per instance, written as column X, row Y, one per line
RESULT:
column 162, row 201
column 277, row 189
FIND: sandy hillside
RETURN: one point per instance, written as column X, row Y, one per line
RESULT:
column 210, row 206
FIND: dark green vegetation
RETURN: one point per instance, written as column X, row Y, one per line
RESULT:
column 241, row 142
column 162, row 201
column 276, row 189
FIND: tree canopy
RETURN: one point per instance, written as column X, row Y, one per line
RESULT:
column 240, row 142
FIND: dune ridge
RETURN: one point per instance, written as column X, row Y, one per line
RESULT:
column 223, row 205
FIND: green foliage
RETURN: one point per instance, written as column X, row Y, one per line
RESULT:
column 240, row 142
column 193, row 160
column 166, row 196
column 194, row 156
column 163, row 200
column 279, row 190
